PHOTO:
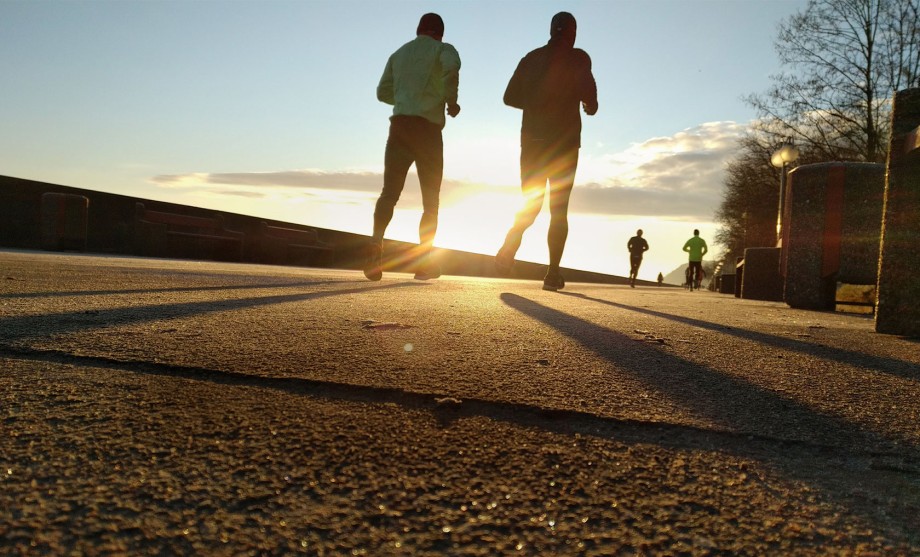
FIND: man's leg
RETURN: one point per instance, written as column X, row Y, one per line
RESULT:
column 533, row 186
column 429, row 148
column 429, row 162
column 692, row 272
column 562, row 178
column 396, row 162
column 534, row 189
column 634, row 263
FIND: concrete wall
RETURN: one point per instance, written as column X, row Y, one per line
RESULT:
column 110, row 229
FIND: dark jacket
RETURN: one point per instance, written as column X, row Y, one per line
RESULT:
column 637, row 245
column 549, row 84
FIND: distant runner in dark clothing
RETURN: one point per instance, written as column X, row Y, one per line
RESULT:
column 636, row 246
column 550, row 85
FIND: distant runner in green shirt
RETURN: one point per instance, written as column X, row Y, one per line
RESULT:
column 697, row 248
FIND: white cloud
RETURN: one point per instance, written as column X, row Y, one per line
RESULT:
column 354, row 181
column 332, row 187
column 678, row 176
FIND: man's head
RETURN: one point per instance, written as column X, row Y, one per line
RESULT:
column 639, row 232
column 563, row 28
column 432, row 25
column 696, row 232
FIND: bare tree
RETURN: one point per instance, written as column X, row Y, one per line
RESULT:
column 748, row 211
column 845, row 60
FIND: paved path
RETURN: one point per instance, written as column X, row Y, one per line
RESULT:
column 176, row 407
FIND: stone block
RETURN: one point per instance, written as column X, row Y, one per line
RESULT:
column 727, row 284
column 831, row 230
column 761, row 280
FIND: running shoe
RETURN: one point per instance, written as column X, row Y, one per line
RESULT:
column 553, row 281
column 504, row 262
column 373, row 266
column 427, row 271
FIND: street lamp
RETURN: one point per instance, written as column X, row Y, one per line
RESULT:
column 785, row 155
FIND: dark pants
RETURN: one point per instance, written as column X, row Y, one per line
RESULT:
column 694, row 270
column 412, row 140
column 634, row 262
column 543, row 161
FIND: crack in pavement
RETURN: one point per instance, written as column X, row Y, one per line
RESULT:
column 448, row 409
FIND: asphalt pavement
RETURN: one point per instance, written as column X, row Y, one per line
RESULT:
column 161, row 407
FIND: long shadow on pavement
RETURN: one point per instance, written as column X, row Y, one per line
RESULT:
column 43, row 325
column 901, row 368
column 173, row 290
column 741, row 405
column 732, row 402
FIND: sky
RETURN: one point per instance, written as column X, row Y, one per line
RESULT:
column 269, row 108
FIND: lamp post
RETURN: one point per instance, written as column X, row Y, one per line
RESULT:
column 781, row 158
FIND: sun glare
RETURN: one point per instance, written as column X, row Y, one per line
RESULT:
column 484, row 160
column 478, row 222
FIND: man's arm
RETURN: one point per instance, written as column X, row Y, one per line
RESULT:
column 514, row 93
column 588, row 88
column 450, row 75
column 385, row 87
column 687, row 246
column 705, row 248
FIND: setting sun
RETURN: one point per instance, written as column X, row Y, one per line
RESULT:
column 478, row 222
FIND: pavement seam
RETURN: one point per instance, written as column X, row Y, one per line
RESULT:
column 448, row 409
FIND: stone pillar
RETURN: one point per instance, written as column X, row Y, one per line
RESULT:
column 762, row 280
column 832, row 225
column 898, row 291
column 727, row 283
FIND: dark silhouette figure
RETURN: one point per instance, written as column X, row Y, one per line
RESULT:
column 696, row 248
column 660, row 279
column 420, row 79
column 550, row 84
column 636, row 246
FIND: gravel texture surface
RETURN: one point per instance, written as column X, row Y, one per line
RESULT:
column 177, row 407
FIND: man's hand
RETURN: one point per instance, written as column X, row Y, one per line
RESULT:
column 590, row 110
column 453, row 109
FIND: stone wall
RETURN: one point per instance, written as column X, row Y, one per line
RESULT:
column 110, row 224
